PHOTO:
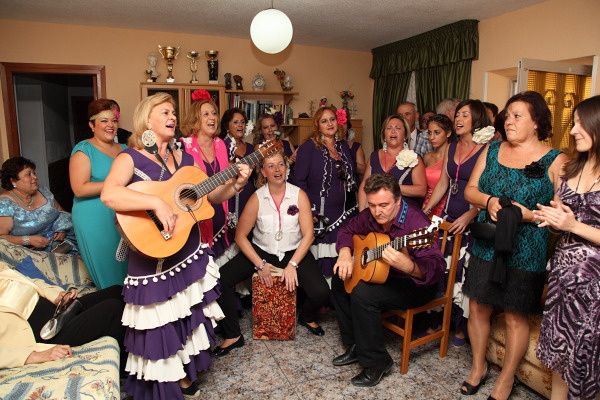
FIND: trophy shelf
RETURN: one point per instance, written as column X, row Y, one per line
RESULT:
column 182, row 94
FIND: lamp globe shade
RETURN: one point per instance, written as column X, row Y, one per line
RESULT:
column 271, row 31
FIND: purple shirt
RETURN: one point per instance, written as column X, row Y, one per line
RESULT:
column 409, row 218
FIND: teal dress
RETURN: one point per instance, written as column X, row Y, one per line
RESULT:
column 95, row 225
column 526, row 266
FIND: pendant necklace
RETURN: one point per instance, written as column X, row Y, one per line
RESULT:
column 27, row 204
column 279, row 233
column 454, row 183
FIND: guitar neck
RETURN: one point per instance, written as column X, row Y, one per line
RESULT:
column 398, row 244
column 207, row 186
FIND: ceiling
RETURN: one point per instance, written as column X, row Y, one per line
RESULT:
column 345, row 24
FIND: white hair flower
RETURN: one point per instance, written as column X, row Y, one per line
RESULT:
column 249, row 128
column 484, row 135
column 407, row 158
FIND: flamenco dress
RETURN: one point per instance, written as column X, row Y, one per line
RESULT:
column 170, row 308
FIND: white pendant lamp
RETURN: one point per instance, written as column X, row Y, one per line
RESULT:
column 271, row 31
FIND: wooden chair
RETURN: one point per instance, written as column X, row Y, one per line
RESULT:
column 392, row 319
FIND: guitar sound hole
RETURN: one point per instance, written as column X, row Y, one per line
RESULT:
column 188, row 197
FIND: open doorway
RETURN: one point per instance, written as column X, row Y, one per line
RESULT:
column 46, row 110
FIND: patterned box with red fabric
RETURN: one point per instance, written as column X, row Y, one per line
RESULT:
column 273, row 310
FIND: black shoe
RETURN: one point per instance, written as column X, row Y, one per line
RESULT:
column 223, row 351
column 315, row 331
column 349, row 357
column 191, row 391
column 372, row 376
column 467, row 389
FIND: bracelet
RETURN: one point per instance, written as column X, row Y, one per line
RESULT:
column 488, row 203
column 262, row 265
column 293, row 264
column 26, row 240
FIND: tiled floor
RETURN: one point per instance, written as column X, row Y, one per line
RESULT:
column 302, row 369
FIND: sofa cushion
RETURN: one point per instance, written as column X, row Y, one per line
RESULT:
column 91, row 373
column 64, row 270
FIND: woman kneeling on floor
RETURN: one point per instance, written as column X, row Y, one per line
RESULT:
column 281, row 217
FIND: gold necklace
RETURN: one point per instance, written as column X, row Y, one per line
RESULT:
column 27, row 204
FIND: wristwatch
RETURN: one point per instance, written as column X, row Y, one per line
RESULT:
column 262, row 265
column 293, row 264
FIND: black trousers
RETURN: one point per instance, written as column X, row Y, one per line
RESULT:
column 359, row 313
column 101, row 316
column 239, row 269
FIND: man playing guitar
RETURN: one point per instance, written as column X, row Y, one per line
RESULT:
column 412, row 280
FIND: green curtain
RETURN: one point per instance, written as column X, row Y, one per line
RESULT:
column 437, row 83
column 442, row 61
column 388, row 92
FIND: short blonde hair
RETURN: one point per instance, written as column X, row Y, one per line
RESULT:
column 316, row 135
column 191, row 120
column 141, row 114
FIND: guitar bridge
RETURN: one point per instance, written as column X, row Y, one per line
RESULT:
column 166, row 235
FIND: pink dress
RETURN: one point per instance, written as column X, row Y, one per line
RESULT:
column 432, row 174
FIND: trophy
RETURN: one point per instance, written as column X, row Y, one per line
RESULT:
column 169, row 53
column 213, row 66
column 193, row 56
column 151, row 73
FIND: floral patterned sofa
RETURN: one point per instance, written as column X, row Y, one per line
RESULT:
column 92, row 372
column 530, row 372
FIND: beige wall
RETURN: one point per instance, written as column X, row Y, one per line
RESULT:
column 316, row 71
column 553, row 30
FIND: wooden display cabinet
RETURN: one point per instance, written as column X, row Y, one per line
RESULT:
column 182, row 93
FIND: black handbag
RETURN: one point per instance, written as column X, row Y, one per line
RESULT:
column 485, row 230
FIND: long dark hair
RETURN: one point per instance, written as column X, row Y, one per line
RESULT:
column 479, row 117
column 588, row 112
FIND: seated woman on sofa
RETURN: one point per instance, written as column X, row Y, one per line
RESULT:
column 279, row 215
column 29, row 215
column 27, row 304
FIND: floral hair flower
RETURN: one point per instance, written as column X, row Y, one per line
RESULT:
column 484, row 135
column 293, row 210
column 407, row 158
column 249, row 128
column 341, row 117
column 200, row 94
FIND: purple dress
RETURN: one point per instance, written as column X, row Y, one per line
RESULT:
column 569, row 342
column 403, row 175
column 331, row 189
column 170, row 308
column 456, row 205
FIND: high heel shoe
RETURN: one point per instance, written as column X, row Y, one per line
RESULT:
column 468, row 389
column 223, row 351
column 514, row 385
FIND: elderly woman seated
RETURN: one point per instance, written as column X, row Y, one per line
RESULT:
column 29, row 215
column 27, row 304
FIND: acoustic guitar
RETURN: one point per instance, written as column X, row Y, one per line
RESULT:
column 368, row 250
column 186, row 193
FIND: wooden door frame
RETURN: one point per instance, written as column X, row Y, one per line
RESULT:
column 7, row 72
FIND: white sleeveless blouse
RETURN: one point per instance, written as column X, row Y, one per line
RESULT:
column 268, row 220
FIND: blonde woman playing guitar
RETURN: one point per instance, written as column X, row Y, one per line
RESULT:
column 164, row 296
column 412, row 279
